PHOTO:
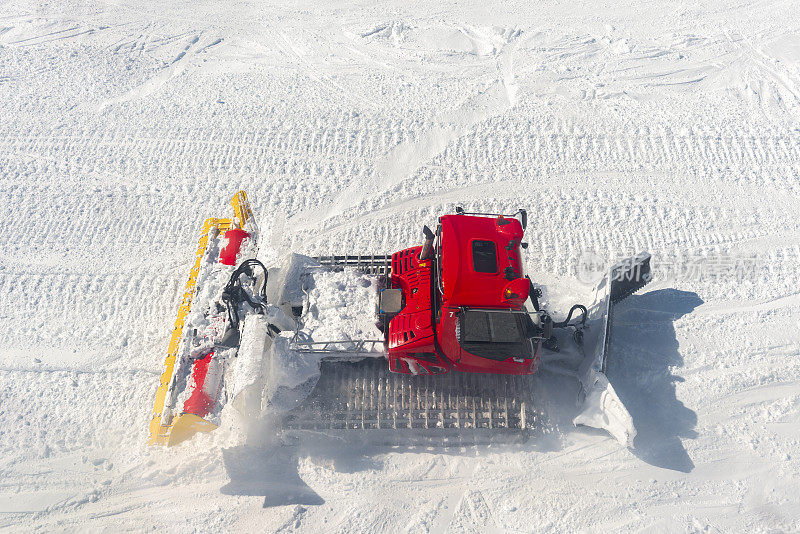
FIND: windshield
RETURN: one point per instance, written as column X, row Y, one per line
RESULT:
column 496, row 335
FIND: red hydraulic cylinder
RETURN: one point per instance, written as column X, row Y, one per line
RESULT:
column 230, row 251
column 205, row 380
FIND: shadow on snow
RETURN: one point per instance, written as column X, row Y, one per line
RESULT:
column 644, row 350
column 269, row 472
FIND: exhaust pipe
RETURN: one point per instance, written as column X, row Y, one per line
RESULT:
column 427, row 245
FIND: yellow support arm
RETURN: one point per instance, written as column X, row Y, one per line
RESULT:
column 241, row 209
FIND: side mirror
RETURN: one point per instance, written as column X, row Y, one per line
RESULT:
column 534, row 293
column 524, row 217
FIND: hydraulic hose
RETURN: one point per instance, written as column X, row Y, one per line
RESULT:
column 565, row 322
column 234, row 294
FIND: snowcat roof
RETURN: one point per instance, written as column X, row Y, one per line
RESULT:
column 475, row 258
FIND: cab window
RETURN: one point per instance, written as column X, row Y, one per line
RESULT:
column 484, row 256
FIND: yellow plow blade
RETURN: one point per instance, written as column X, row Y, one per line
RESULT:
column 186, row 425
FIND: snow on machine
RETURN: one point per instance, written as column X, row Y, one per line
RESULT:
column 459, row 331
column 207, row 334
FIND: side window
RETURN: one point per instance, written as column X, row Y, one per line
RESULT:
column 484, row 256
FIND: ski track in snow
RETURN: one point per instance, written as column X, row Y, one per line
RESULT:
column 672, row 129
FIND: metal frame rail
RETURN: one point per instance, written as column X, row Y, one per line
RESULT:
column 367, row 263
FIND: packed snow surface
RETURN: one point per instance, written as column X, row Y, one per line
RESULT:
column 672, row 128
